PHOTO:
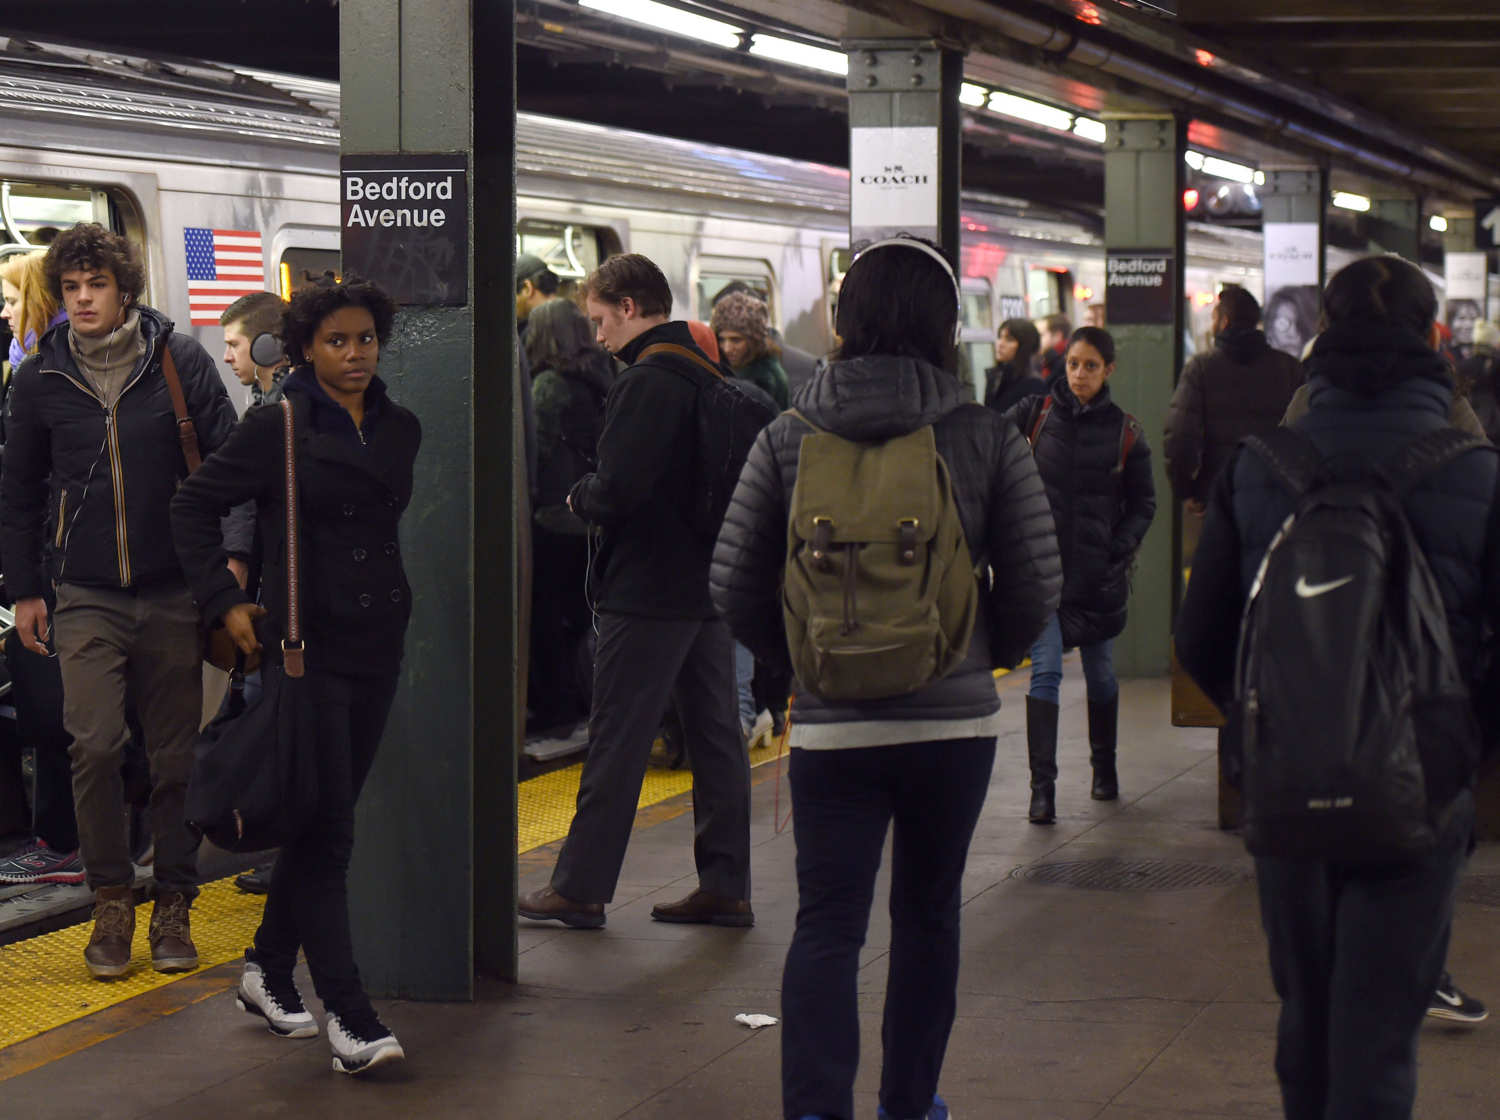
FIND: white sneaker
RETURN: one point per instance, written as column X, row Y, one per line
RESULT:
column 282, row 1010
column 760, row 733
column 358, row 1048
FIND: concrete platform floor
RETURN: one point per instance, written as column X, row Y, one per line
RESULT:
column 1074, row 1004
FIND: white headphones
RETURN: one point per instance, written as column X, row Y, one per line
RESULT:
column 906, row 241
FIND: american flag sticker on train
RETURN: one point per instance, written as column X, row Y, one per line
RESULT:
column 222, row 265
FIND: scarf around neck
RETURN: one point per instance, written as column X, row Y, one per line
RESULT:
column 108, row 360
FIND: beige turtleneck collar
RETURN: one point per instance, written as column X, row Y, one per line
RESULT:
column 108, row 360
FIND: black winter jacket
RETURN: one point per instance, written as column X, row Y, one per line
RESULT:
column 1373, row 390
column 1000, row 500
column 352, row 489
column 651, row 560
column 1006, row 386
column 569, row 417
column 1102, row 512
column 103, row 478
column 1240, row 388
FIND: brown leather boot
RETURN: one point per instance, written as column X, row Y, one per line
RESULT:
column 108, row 950
column 172, row 948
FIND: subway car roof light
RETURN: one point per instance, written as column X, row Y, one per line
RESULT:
column 672, row 20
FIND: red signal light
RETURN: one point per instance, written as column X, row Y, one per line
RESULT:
column 1190, row 198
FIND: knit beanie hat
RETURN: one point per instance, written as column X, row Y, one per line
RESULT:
column 741, row 312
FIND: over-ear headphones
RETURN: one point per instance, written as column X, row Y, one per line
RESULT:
column 265, row 349
column 906, row 241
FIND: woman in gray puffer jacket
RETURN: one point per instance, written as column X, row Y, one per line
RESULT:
column 922, row 759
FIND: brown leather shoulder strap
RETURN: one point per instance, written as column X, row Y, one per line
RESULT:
column 187, row 433
column 292, row 645
column 1041, row 418
column 680, row 352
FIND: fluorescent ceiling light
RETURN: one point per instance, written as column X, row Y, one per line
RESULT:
column 1225, row 169
column 1438, row 223
column 1193, row 159
column 973, row 96
column 799, row 54
column 1089, row 129
column 1346, row 201
column 1260, row 178
column 675, row 21
column 1023, row 108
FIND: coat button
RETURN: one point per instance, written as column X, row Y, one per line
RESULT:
column 365, row 600
column 348, row 511
column 390, row 548
column 391, row 502
column 360, row 555
column 395, row 595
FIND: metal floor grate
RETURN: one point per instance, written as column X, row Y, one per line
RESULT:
column 1131, row 875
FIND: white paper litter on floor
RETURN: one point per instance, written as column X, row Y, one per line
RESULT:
column 755, row 1022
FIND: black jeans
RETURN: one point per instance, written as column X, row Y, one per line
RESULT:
column 1356, row 951
column 559, row 619
column 308, row 904
column 842, row 803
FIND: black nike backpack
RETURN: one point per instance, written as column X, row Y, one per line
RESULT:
column 1356, row 723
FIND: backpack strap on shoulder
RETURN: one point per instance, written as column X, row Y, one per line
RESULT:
column 1425, row 454
column 1130, row 434
column 1293, row 458
column 680, row 352
column 1041, row 419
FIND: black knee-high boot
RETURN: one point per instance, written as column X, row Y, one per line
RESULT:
column 1104, row 722
column 1041, row 752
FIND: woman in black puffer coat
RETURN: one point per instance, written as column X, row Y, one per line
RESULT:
column 1096, row 466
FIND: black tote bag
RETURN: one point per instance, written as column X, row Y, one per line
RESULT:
column 255, row 779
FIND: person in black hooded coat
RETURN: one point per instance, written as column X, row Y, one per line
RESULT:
column 1096, row 466
column 1357, row 950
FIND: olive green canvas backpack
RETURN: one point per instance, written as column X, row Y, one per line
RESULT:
column 880, row 593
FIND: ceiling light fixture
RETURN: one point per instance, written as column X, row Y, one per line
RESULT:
column 799, row 54
column 1346, row 201
column 674, row 21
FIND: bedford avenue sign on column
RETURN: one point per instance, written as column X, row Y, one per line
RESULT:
column 405, row 224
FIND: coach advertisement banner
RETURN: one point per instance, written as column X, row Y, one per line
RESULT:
column 1138, row 286
column 1465, row 278
column 893, row 183
column 1291, row 307
column 404, row 221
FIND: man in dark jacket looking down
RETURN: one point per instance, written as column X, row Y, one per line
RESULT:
column 659, row 638
column 1239, row 388
column 93, row 454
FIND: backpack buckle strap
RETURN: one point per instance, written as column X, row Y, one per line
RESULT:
column 822, row 542
column 908, row 531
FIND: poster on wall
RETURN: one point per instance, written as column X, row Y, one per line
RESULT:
column 893, row 183
column 1465, row 277
column 1291, row 308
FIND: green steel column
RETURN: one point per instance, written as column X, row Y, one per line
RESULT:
column 1396, row 227
column 432, row 887
column 909, row 84
column 1143, row 183
column 1459, row 236
column 1298, row 194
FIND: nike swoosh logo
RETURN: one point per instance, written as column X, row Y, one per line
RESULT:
column 1307, row 590
column 1451, row 1001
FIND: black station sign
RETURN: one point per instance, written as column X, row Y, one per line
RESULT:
column 1138, row 286
column 1487, row 223
column 405, row 224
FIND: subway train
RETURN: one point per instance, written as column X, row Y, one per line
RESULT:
column 180, row 155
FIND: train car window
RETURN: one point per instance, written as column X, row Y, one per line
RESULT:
column 570, row 250
column 301, row 267
column 976, row 341
column 1049, row 290
column 717, row 273
column 33, row 213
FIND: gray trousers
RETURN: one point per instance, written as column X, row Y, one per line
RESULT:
column 140, row 644
column 640, row 665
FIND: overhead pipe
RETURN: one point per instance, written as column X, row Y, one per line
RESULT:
column 1077, row 44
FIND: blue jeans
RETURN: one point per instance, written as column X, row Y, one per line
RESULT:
column 843, row 803
column 744, row 680
column 1046, row 666
column 1356, row 951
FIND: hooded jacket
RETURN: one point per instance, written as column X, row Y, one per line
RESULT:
column 102, row 478
column 1005, row 386
column 1102, row 512
column 1001, row 505
column 1240, row 388
column 1372, row 389
column 569, row 417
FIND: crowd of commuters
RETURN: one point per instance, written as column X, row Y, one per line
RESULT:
column 115, row 550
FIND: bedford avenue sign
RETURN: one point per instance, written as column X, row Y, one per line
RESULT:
column 405, row 224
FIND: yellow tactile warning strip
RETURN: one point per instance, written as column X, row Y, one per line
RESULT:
column 546, row 802
column 46, row 984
